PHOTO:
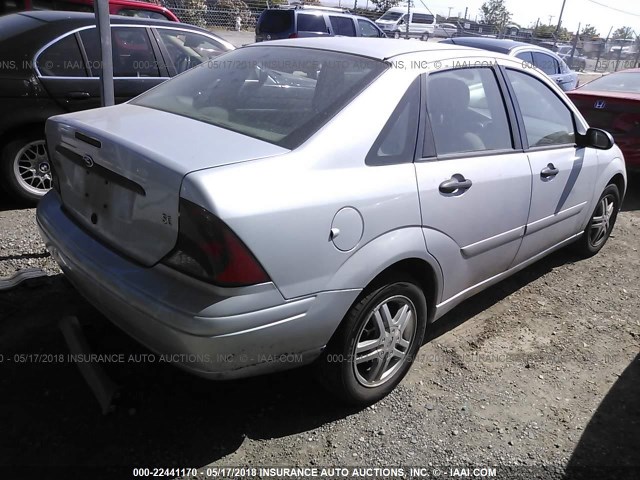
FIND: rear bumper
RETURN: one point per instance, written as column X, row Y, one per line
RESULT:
column 213, row 332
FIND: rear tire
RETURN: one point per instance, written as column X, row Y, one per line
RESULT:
column 376, row 343
column 25, row 171
column 396, row 34
column 425, row 37
column 600, row 224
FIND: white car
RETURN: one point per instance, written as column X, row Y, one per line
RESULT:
column 445, row 30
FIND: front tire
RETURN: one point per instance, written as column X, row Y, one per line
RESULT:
column 376, row 343
column 424, row 37
column 601, row 223
column 25, row 171
column 396, row 34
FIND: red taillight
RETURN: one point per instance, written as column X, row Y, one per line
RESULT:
column 293, row 35
column 207, row 249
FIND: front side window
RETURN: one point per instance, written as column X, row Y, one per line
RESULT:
column 281, row 95
column 132, row 52
column 467, row 111
column 547, row 120
column 188, row 49
column 546, row 63
column 62, row 59
column 342, row 26
column 311, row 23
column 367, row 29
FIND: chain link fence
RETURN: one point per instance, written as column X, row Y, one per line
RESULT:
column 584, row 54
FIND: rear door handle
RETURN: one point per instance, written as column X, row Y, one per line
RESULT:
column 453, row 184
column 549, row 171
column 77, row 95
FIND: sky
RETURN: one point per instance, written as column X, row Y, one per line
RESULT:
column 526, row 12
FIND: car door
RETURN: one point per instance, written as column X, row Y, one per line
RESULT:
column 137, row 63
column 342, row 26
column 474, row 181
column 563, row 174
column 550, row 65
column 62, row 71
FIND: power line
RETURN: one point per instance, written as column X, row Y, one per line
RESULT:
column 614, row 8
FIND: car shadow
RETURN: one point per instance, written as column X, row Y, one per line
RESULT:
column 632, row 197
column 163, row 416
column 489, row 297
column 8, row 203
column 610, row 445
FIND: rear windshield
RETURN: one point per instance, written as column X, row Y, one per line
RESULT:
column 281, row 95
column 391, row 16
column 625, row 82
column 275, row 21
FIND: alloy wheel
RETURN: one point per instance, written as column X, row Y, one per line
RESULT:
column 384, row 341
column 32, row 169
column 601, row 221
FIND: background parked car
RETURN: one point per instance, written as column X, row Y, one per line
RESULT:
column 262, row 256
column 577, row 61
column 546, row 60
column 128, row 8
column 394, row 22
column 303, row 21
column 445, row 30
column 51, row 65
column 612, row 102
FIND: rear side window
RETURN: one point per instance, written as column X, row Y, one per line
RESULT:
column 547, row 120
column 546, row 63
column 397, row 140
column 311, row 23
column 467, row 112
column 422, row 18
column 342, row 26
column 275, row 21
column 62, row 59
column 281, row 95
column 132, row 52
column 525, row 57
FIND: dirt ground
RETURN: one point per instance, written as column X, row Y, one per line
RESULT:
column 539, row 376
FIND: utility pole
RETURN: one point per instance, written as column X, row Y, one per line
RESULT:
column 450, row 8
column 408, row 19
column 466, row 10
column 551, row 17
column 555, row 37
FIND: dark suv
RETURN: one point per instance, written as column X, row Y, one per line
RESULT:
column 50, row 64
column 293, row 22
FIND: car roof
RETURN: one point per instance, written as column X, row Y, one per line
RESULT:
column 494, row 44
column 56, row 16
column 377, row 48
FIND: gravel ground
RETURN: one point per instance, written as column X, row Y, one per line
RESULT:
column 537, row 376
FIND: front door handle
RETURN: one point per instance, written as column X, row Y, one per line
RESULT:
column 453, row 184
column 549, row 171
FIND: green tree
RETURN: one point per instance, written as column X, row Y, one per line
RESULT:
column 384, row 5
column 494, row 12
column 589, row 31
column 623, row 33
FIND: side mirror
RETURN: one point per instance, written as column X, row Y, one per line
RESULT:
column 597, row 138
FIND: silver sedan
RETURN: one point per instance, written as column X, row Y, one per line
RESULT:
column 321, row 200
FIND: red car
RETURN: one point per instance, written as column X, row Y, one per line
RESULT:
column 128, row 8
column 612, row 102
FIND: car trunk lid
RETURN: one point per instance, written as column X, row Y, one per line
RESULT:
column 120, row 169
column 618, row 113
